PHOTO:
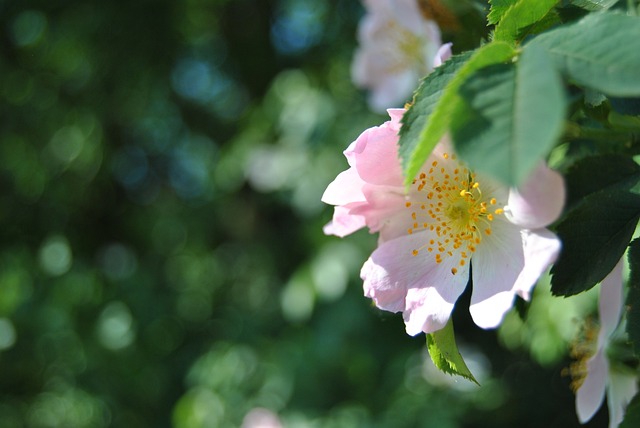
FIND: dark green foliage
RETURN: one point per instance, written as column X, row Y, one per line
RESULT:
column 594, row 236
column 633, row 297
column 632, row 414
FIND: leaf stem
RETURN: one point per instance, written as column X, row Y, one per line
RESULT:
column 573, row 131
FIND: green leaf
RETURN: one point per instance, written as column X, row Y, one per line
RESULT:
column 593, row 5
column 594, row 236
column 633, row 297
column 425, row 101
column 598, row 173
column 511, row 116
column 427, row 121
column 600, row 52
column 498, row 9
column 445, row 355
column 632, row 413
column 521, row 15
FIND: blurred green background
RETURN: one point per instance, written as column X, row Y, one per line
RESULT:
column 162, row 262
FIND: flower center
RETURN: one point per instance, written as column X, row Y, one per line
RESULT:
column 584, row 347
column 447, row 199
column 406, row 51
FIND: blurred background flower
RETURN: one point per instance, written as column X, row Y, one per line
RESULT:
column 162, row 261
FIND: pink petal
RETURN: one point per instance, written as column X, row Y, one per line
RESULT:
column 428, row 308
column 346, row 188
column 497, row 264
column 377, row 162
column 541, row 248
column 396, row 115
column 590, row 395
column 443, row 54
column 398, row 281
column 385, row 208
column 539, row 201
column 344, row 223
column 610, row 300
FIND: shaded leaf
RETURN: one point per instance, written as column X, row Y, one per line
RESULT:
column 593, row 5
column 597, row 173
column 594, row 236
column 445, row 355
column 511, row 116
column 632, row 413
column 600, row 52
column 633, row 297
column 427, row 121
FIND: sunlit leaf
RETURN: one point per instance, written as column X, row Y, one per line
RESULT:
column 431, row 119
column 498, row 9
column 523, row 13
column 600, row 52
column 445, row 355
column 511, row 117
column 425, row 101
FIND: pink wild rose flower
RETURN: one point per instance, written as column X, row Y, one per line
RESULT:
column 450, row 218
column 596, row 375
column 397, row 47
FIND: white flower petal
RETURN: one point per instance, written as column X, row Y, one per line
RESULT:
column 610, row 300
column 431, row 289
column 590, row 395
column 622, row 388
column 541, row 248
column 497, row 264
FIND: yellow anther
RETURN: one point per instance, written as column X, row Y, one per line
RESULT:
column 499, row 211
column 413, row 215
column 445, row 155
column 493, row 201
column 414, row 252
column 407, row 204
column 490, row 217
column 434, row 163
column 476, row 185
column 487, row 231
column 409, row 231
column 423, row 176
column 454, row 271
column 462, row 262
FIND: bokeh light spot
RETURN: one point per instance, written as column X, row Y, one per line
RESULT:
column 55, row 255
column 28, row 27
column 115, row 326
column 118, row 261
column 7, row 334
